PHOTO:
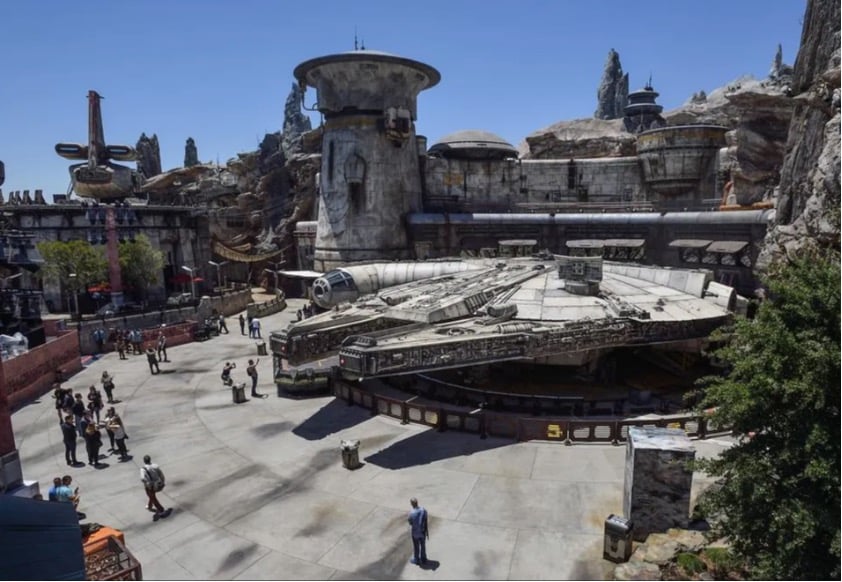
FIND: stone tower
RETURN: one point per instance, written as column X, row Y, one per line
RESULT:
column 370, row 178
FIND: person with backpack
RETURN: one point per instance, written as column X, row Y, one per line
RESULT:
column 153, row 482
column 251, row 371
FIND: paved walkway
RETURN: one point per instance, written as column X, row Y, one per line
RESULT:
column 259, row 491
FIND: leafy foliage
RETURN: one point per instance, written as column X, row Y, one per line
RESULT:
column 140, row 263
column 79, row 257
column 690, row 563
column 778, row 496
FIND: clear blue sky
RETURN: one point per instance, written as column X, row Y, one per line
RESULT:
column 220, row 71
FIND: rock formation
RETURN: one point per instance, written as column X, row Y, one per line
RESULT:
column 295, row 122
column 612, row 95
column 580, row 138
column 191, row 154
column 148, row 156
column 808, row 206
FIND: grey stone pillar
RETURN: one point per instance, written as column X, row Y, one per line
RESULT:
column 656, row 493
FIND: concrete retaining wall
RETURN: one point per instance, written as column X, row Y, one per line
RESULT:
column 227, row 304
column 263, row 309
column 32, row 374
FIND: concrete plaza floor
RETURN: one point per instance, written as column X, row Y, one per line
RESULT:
column 258, row 490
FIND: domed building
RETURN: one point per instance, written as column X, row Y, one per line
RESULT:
column 473, row 144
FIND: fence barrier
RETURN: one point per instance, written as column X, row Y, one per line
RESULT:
column 508, row 425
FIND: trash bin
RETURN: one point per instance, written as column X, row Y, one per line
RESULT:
column 261, row 349
column 238, row 393
column 350, row 454
column 618, row 539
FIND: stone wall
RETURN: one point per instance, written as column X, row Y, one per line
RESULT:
column 181, row 236
column 32, row 374
column 260, row 310
column 516, row 185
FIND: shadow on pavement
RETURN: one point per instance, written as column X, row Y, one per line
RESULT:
column 333, row 417
column 429, row 446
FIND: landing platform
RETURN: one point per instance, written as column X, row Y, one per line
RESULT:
column 258, row 490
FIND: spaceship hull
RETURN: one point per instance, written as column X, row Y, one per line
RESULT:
column 103, row 182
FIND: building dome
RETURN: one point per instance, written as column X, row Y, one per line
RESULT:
column 473, row 144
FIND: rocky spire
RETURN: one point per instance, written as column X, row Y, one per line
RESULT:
column 779, row 69
column 613, row 93
column 191, row 154
column 295, row 122
column 148, row 156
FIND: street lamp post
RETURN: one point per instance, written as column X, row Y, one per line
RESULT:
column 76, row 295
column 192, row 280
column 218, row 272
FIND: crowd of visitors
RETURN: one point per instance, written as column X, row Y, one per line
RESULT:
column 84, row 415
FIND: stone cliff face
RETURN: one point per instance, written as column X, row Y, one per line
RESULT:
column 295, row 122
column 255, row 199
column 808, row 206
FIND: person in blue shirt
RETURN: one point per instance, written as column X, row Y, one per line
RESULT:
column 418, row 530
column 52, row 494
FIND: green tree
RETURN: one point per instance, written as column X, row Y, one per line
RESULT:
column 140, row 263
column 778, row 496
column 75, row 264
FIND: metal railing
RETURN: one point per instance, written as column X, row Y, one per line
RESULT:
column 508, row 425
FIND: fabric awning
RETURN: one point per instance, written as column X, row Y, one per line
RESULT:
column 689, row 243
column 234, row 255
column 300, row 274
column 587, row 243
column 632, row 243
column 727, row 246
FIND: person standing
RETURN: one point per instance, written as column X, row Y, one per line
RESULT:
column 153, row 481
column 58, row 394
column 94, row 401
column 109, row 415
column 255, row 324
column 242, row 325
column 99, row 338
column 153, row 362
column 52, row 494
column 162, row 347
column 418, row 530
column 222, row 324
column 251, row 371
column 120, row 436
column 78, row 409
column 108, row 386
column 68, row 435
column 66, row 493
column 93, row 442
